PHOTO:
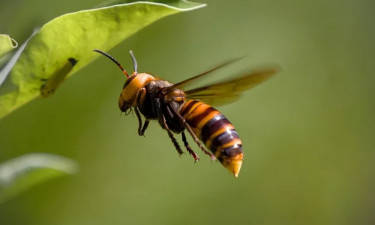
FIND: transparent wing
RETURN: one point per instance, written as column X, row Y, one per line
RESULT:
column 228, row 91
column 183, row 84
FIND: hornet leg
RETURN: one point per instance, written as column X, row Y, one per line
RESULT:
column 145, row 125
column 141, row 130
column 187, row 126
column 165, row 126
column 139, row 121
column 195, row 156
column 176, row 145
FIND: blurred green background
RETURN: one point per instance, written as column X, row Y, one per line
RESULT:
column 308, row 133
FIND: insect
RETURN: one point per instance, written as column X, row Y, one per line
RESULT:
column 178, row 111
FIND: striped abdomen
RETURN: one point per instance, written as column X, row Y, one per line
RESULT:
column 216, row 132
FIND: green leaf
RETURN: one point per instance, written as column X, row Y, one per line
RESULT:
column 20, row 174
column 74, row 36
column 6, row 44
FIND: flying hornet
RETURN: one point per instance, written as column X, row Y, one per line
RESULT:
column 179, row 110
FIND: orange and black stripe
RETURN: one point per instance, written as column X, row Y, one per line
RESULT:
column 216, row 132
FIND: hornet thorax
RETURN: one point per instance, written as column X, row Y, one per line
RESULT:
column 156, row 102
